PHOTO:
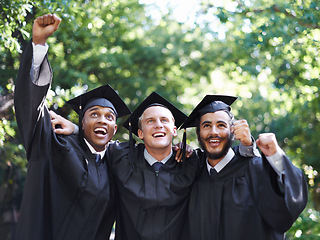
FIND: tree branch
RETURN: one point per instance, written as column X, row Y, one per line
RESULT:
column 6, row 102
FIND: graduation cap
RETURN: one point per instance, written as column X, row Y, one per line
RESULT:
column 210, row 103
column 104, row 96
column 153, row 99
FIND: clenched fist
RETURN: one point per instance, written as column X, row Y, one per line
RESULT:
column 267, row 143
column 44, row 27
column 242, row 132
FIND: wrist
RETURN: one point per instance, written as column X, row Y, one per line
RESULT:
column 43, row 43
column 247, row 142
column 39, row 41
column 76, row 129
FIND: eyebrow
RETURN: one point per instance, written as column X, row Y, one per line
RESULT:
column 97, row 108
column 150, row 118
column 210, row 122
column 205, row 122
column 162, row 117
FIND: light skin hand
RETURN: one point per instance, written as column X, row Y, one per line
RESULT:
column 44, row 27
column 268, row 144
column 65, row 126
column 178, row 148
column 242, row 132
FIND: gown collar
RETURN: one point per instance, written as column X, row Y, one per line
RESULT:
column 151, row 160
column 224, row 161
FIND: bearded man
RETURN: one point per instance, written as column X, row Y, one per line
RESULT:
column 238, row 198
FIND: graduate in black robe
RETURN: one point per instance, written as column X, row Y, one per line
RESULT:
column 152, row 204
column 237, row 198
column 68, row 192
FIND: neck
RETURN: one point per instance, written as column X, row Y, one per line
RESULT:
column 159, row 154
column 93, row 149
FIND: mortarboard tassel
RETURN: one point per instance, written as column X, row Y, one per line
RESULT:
column 81, row 135
column 184, row 144
column 131, row 141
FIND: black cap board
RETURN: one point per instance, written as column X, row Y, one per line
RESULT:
column 153, row 99
column 210, row 103
column 104, row 96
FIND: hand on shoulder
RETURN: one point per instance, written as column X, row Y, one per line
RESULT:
column 61, row 125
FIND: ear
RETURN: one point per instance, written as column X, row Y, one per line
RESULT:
column 174, row 132
column 232, row 135
column 231, row 130
column 140, row 134
column 115, row 129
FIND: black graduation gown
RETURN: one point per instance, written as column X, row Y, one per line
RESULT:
column 151, row 206
column 67, row 195
column 243, row 201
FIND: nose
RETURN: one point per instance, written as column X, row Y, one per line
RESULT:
column 214, row 130
column 102, row 119
column 158, row 123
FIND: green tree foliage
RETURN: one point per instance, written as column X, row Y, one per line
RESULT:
column 265, row 52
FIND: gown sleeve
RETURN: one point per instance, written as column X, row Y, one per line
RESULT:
column 29, row 98
column 279, row 208
column 249, row 151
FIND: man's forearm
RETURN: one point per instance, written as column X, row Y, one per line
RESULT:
column 39, row 53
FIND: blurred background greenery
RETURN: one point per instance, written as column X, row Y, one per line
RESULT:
column 266, row 52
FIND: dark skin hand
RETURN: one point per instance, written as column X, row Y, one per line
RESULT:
column 178, row 148
column 44, row 27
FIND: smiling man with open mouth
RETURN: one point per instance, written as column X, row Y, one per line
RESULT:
column 236, row 197
column 153, row 187
column 69, row 193
column 157, row 130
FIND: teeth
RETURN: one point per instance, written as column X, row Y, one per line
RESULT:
column 101, row 130
column 158, row 135
column 214, row 141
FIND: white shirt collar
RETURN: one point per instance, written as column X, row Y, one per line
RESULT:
column 224, row 161
column 151, row 160
column 102, row 153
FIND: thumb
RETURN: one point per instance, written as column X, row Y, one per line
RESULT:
column 53, row 114
column 58, row 131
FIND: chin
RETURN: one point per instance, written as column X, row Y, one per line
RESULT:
column 160, row 145
column 101, row 144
